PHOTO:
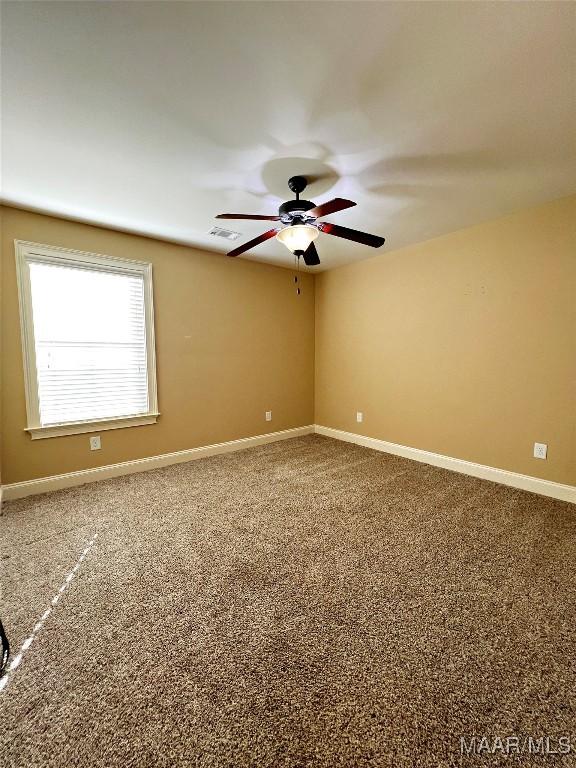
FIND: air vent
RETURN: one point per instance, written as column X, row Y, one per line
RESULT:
column 226, row 233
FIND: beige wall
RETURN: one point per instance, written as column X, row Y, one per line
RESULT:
column 464, row 345
column 232, row 340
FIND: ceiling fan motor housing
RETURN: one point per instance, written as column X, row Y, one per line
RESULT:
column 295, row 210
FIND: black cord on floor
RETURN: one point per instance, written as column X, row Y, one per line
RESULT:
column 5, row 649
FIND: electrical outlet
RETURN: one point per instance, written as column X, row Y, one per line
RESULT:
column 95, row 444
column 268, row 415
column 359, row 416
column 540, row 450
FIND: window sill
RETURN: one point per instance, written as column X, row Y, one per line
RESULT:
column 82, row 427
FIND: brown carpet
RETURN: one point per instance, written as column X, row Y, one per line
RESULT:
column 305, row 603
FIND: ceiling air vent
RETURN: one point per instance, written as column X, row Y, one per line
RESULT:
column 225, row 233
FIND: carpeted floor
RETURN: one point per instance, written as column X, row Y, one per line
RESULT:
column 304, row 603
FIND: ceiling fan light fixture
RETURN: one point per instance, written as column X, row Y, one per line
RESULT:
column 297, row 237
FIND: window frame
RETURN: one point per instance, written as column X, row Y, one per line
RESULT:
column 27, row 252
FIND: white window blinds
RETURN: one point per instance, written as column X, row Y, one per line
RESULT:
column 90, row 339
column 89, row 345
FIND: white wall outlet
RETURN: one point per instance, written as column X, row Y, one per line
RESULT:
column 540, row 450
column 95, row 443
column 268, row 415
column 359, row 416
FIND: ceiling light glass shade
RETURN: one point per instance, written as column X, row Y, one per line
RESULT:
column 297, row 237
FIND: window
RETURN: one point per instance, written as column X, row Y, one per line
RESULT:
column 88, row 340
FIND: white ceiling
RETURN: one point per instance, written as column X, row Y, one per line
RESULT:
column 153, row 117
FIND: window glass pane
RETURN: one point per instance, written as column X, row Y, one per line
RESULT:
column 90, row 337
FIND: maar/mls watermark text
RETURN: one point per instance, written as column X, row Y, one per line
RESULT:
column 517, row 745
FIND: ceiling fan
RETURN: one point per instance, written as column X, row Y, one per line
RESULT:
column 301, row 227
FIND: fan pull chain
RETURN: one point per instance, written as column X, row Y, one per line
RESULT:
column 296, row 276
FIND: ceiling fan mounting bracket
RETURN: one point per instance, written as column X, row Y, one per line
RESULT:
column 297, row 184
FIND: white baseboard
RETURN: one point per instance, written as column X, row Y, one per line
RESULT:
column 56, row 482
column 70, row 479
column 503, row 476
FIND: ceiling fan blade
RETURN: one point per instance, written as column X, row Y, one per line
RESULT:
column 254, row 217
column 351, row 234
column 255, row 241
column 325, row 209
column 310, row 256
